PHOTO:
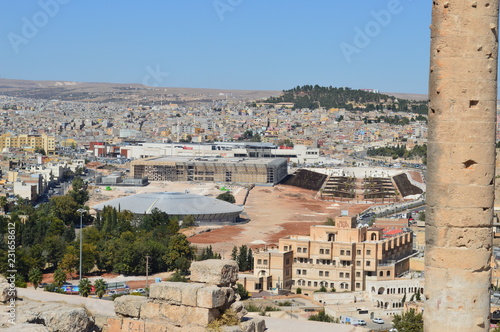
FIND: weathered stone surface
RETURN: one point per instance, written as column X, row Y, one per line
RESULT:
column 239, row 308
column 114, row 324
column 101, row 321
column 215, row 272
column 150, row 310
column 248, row 326
column 67, row 319
column 168, row 291
column 260, row 324
column 129, row 305
column 6, row 292
column 176, row 292
column 235, row 328
column 183, row 315
column 211, row 297
column 26, row 328
column 132, row 325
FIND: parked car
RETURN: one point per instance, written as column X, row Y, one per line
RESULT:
column 378, row 320
column 361, row 322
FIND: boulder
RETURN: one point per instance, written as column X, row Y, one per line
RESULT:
column 129, row 305
column 6, row 291
column 215, row 272
column 239, row 308
column 67, row 319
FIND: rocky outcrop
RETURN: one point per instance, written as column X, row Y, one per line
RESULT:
column 175, row 306
column 52, row 317
column 7, row 291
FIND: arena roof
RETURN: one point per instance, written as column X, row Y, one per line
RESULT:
column 173, row 203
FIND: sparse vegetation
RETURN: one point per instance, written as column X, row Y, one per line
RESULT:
column 229, row 318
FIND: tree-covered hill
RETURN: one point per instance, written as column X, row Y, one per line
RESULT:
column 309, row 96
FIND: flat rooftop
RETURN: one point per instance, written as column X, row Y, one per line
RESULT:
column 202, row 160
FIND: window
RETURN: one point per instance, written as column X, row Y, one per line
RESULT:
column 285, row 248
column 358, row 252
column 298, row 271
column 368, row 263
column 327, row 273
column 348, row 253
column 331, row 285
column 265, row 261
column 299, row 249
column 315, row 284
column 358, row 274
column 304, row 250
column 342, row 252
column 358, row 285
column 308, row 283
column 327, row 251
column 341, row 275
column 304, row 272
column 321, row 251
column 388, row 273
column 320, row 273
column 368, row 252
column 358, row 263
column 287, row 261
column 259, row 261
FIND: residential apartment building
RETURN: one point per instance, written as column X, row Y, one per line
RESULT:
column 343, row 257
column 48, row 143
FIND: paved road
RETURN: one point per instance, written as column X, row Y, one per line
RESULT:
column 95, row 306
column 293, row 325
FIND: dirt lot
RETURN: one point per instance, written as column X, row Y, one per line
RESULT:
column 274, row 212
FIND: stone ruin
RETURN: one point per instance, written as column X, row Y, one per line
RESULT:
column 180, row 307
column 171, row 307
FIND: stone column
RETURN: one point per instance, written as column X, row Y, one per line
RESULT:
column 461, row 164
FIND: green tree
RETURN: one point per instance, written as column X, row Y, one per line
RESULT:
column 188, row 221
column 178, row 246
column 409, row 321
column 100, row 287
column 241, row 290
column 330, row 222
column 298, row 290
column 227, row 196
column 35, row 277
column 322, row 290
column 59, row 277
column 84, row 287
column 69, row 262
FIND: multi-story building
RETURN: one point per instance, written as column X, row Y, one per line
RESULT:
column 32, row 141
column 238, row 170
column 343, row 257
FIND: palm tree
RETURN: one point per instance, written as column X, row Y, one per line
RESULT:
column 35, row 277
column 100, row 287
column 59, row 277
column 84, row 287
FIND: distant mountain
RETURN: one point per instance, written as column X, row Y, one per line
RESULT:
column 116, row 92
column 312, row 97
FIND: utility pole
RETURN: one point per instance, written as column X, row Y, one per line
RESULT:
column 81, row 211
column 147, row 273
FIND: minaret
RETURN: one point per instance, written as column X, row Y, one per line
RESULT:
column 461, row 169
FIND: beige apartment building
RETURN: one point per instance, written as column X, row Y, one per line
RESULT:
column 48, row 143
column 342, row 257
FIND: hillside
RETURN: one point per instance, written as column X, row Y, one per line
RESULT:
column 116, row 92
column 312, row 97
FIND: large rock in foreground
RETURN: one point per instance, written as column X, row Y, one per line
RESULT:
column 217, row 272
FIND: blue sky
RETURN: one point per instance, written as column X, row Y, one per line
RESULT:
column 227, row 44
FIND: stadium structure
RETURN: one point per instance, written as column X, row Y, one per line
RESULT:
column 205, row 210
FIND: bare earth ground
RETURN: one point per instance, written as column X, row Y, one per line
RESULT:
column 274, row 213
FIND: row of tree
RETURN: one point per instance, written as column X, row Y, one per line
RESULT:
column 400, row 151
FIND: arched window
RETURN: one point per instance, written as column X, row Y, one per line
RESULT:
column 374, row 237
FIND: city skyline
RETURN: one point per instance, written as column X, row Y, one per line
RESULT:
column 225, row 44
